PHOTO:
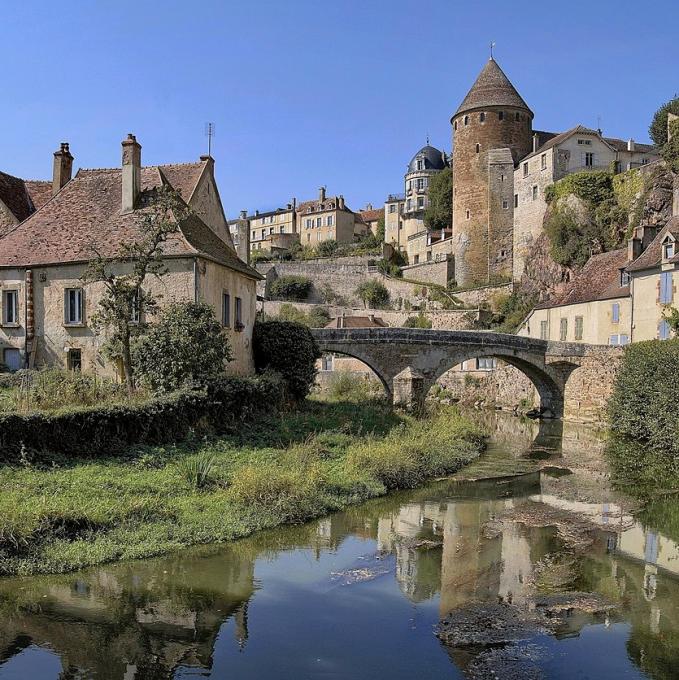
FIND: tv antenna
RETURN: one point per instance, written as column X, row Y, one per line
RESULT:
column 209, row 133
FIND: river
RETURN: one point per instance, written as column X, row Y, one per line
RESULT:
column 360, row 594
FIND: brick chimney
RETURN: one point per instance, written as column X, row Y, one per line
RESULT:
column 62, row 169
column 630, row 145
column 131, row 173
column 340, row 203
column 321, row 194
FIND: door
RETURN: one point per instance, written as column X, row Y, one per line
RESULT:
column 12, row 358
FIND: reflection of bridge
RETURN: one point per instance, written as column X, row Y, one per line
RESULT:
column 408, row 361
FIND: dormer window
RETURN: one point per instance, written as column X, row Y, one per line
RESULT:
column 624, row 278
column 668, row 248
column 420, row 164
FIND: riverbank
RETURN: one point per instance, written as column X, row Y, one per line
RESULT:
column 287, row 468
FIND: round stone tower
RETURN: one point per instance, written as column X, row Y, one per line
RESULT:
column 492, row 131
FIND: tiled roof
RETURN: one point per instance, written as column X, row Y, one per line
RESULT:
column 14, row 195
column 183, row 177
column 371, row 215
column 330, row 203
column 652, row 256
column 599, row 279
column 621, row 145
column 356, row 322
column 40, row 191
column 86, row 214
column 492, row 88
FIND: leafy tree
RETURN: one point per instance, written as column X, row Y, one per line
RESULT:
column 670, row 152
column 373, row 293
column 186, row 345
column 290, row 350
column 380, row 229
column 326, row 248
column 292, row 287
column 439, row 214
column 125, row 303
column 658, row 127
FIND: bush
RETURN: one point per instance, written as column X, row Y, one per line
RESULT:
column 216, row 408
column 644, row 402
column 346, row 386
column 388, row 268
column 291, row 287
column 186, row 345
column 419, row 321
column 317, row 317
column 290, row 350
column 197, row 470
column 373, row 293
column 593, row 187
column 326, row 248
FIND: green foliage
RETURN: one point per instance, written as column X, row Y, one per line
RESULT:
column 186, row 345
column 419, row 321
column 197, row 470
column 257, row 256
column 388, row 268
column 326, row 248
column 439, row 214
column 646, row 392
column 670, row 151
column 671, row 315
column 291, row 287
column 290, row 350
column 345, row 386
column 593, row 187
column 317, row 317
column 373, row 293
column 380, row 229
column 573, row 242
column 510, row 310
column 658, row 128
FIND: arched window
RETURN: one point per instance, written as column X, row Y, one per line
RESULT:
column 482, row 116
column 478, row 148
column 455, row 125
column 501, row 115
column 466, row 120
column 517, row 116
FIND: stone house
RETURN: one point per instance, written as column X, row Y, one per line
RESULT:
column 553, row 157
column 328, row 218
column 273, row 231
column 596, row 308
column 46, row 308
column 371, row 217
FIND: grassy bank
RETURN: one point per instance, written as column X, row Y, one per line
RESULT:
column 286, row 469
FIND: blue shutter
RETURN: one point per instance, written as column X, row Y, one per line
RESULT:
column 666, row 288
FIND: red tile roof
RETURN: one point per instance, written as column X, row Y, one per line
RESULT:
column 86, row 214
column 371, row 215
column 14, row 195
column 652, row 256
column 40, row 192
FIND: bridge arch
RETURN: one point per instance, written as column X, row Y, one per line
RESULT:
column 360, row 356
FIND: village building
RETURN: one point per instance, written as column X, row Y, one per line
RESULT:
column 371, row 217
column 46, row 307
column 274, row 231
column 328, row 219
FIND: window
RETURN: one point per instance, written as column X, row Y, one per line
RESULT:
column 408, row 204
column 535, row 192
column 420, row 202
column 563, row 329
column 525, row 169
column 468, row 214
column 420, row 184
column 578, row 328
column 501, row 115
column 505, row 203
column 663, row 330
column 318, row 221
column 544, row 330
column 466, row 120
column 392, row 208
column 502, row 177
column 73, row 306
column 668, row 249
column 624, row 278
column 624, row 339
column 226, row 310
column 238, row 316
column 516, row 200
column 10, row 307
column 589, row 160
column 455, row 125
column 420, row 164
column 429, row 256
column 329, row 220
column 585, row 142
column 11, row 357
column 614, row 340
column 74, row 360
column 478, row 148
column 309, row 224
column 482, row 117
column 615, row 312
column 517, row 117
column 416, row 259
column 486, row 363
column 543, row 161
column 666, row 293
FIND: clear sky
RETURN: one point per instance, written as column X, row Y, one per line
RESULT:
column 311, row 92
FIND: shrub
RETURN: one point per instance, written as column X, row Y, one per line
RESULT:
column 259, row 256
column 643, row 405
column 373, row 293
column 291, row 287
column 346, row 386
column 317, row 317
column 419, row 321
column 670, row 152
column 186, row 345
column 290, row 350
column 326, row 248
column 197, row 470
column 388, row 268
column 593, row 187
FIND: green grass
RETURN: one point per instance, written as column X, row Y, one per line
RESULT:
column 285, row 469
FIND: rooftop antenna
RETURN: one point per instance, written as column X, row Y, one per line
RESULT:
column 209, row 133
column 492, row 44
column 427, row 139
column 598, row 124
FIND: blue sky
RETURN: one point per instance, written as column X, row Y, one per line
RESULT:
column 311, row 92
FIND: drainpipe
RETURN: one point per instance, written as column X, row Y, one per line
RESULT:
column 631, row 300
column 196, row 279
column 29, row 321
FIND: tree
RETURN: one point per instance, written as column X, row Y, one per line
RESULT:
column 186, row 345
column 327, row 248
column 439, row 214
column 125, row 304
column 292, row 287
column 380, row 229
column 670, row 152
column 373, row 293
column 658, row 127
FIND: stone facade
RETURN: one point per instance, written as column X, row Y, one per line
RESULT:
column 438, row 271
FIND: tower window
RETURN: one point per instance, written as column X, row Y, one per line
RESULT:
column 466, row 120
column 478, row 148
column 468, row 214
column 525, row 169
column 455, row 125
column 535, row 192
column 482, row 117
column 517, row 116
column 505, row 203
column 516, row 200
column 501, row 115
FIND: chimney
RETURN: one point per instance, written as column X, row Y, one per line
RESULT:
column 321, row 194
column 289, row 206
column 630, row 144
column 131, row 173
column 633, row 248
column 256, row 213
column 62, row 169
column 243, row 214
column 340, row 203
column 535, row 141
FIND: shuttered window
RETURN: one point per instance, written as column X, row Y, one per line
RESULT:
column 666, row 288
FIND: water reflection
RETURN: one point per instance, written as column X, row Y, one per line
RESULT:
column 227, row 609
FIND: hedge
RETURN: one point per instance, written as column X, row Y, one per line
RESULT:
column 291, row 287
column 217, row 408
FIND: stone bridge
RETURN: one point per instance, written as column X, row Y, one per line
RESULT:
column 408, row 362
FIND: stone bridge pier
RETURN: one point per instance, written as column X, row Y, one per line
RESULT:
column 408, row 361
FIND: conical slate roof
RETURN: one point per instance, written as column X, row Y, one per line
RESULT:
column 492, row 88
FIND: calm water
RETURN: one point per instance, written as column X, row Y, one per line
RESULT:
column 358, row 595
